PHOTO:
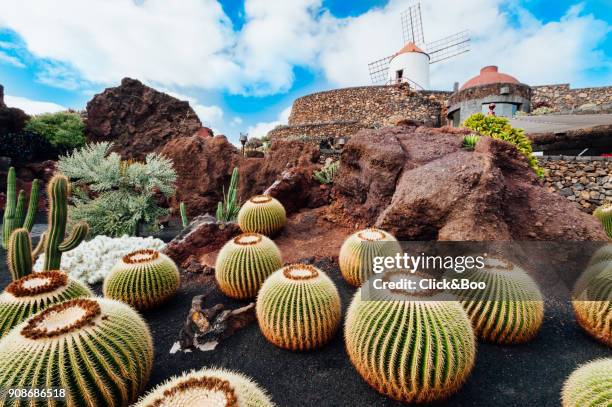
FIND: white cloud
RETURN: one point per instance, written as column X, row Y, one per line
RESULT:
column 209, row 115
column 262, row 128
column 32, row 107
column 236, row 121
column 11, row 60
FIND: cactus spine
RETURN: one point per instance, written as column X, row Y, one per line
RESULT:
column 604, row 214
column 358, row 251
column 589, row 385
column 592, row 301
column 207, row 387
column 19, row 256
column 509, row 310
column 410, row 346
column 143, row 279
column 56, row 241
column 298, row 308
column 14, row 212
column 35, row 292
column 262, row 214
column 100, row 351
column 183, row 210
column 244, row 263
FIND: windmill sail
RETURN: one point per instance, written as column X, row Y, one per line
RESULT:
column 379, row 70
column 412, row 25
column 448, row 47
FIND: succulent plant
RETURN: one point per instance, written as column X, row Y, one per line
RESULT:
column 35, row 292
column 358, row 251
column 604, row 214
column 262, row 214
column 56, row 241
column 143, row 279
column 207, row 387
column 592, row 301
column 603, row 254
column 298, row 307
column 227, row 210
column 470, row 141
column 244, row 263
column 14, row 211
column 509, row 310
column 327, row 173
column 184, row 219
column 589, row 385
column 19, row 256
column 413, row 346
column 99, row 351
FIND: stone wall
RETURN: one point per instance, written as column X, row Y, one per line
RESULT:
column 587, row 181
column 318, row 131
column 581, row 100
column 369, row 105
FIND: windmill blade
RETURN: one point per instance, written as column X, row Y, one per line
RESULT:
column 448, row 47
column 412, row 25
column 379, row 70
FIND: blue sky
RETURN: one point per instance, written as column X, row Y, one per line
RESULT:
column 242, row 63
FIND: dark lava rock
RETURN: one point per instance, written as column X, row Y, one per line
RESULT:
column 419, row 184
column 12, row 120
column 138, row 119
column 203, row 235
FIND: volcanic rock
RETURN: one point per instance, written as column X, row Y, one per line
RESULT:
column 419, row 184
column 12, row 120
column 138, row 119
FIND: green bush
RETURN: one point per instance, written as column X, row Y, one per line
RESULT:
column 499, row 128
column 64, row 130
column 116, row 196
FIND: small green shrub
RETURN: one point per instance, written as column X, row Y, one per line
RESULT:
column 64, row 130
column 499, row 128
column 116, row 196
column 326, row 174
column 469, row 141
column 228, row 209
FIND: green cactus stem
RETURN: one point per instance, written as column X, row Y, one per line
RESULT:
column 604, row 214
column 589, row 385
column 56, row 242
column 184, row 219
column 14, row 212
column 19, row 256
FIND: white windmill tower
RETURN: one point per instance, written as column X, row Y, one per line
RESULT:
column 411, row 63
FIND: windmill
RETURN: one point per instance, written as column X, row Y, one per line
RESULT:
column 411, row 63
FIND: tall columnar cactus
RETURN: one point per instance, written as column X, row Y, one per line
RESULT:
column 244, row 263
column 183, row 210
column 298, row 308
column 589, row 385
column 99, row 351
column 56, row 241
column 592, row 301
column 410, row 346
column 604, row 214
column 14, row 212
column 19, row 257
column 209, row 388
column 143, row 279
column 509, row 310
column 358, row 251
column 262, row 214
column 35, row 292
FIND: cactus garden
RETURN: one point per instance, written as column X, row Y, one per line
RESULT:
column 368, row 246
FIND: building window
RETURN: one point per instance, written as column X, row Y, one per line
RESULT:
column 399, row 74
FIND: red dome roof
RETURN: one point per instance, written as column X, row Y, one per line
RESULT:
column 489, row 74
column 409, row 47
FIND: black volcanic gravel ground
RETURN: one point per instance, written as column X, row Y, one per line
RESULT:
column 526, row 375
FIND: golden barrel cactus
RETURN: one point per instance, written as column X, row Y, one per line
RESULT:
column 207, row 388
column 35, row 292
column 592, row 301
column 298, row 307
column 412, row 346
column 509, row 310
column 589, row 385
column 359, row 250
column 244, row 263
column 99, row 351
column 143, row 279
column 262, row 214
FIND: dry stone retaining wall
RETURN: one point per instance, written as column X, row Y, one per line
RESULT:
column 563, row 99
column 587, row 181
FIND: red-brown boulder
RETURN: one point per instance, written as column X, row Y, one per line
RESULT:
column 138, row 119
column 419, row 184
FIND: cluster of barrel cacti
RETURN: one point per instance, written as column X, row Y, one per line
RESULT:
column 98, row 351
column 210, row 388
column 510, row 309
column 262, row 214
column 143, row 279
